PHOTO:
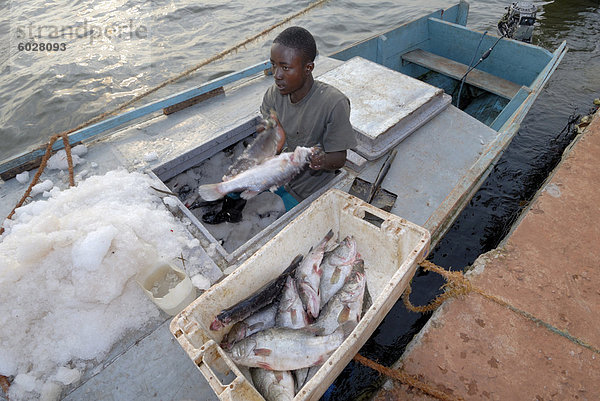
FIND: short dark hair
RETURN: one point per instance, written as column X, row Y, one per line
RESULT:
column 299, row 38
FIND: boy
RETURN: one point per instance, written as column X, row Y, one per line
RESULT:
column 310, row 113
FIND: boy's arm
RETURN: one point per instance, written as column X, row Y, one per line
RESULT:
column 328, row 161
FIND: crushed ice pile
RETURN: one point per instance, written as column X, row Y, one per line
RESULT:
column 67, row 277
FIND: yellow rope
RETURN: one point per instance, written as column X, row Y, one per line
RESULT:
column 196, row 67
column 36, row 178
column 128, row 103
column 405, row 378
column 458, row 285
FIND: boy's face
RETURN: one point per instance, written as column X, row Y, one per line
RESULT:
column 290, row 70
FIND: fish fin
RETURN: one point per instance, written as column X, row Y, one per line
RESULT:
column 347, row 328
column 264, row 365
column 335, row 277
column 216, row 324
column 316, row 330
column 294, row 316
column 316, row 268
column 247, row 194
column 262, row 351
column 258, row 326
column 210, row 192
column 328, row 237
column 344, row 314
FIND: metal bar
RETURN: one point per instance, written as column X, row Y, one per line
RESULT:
column 112, row 122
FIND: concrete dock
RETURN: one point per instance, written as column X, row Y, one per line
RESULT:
column 475, row 349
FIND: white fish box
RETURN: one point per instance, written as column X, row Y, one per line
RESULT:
column 391, row 252
column 386, row 105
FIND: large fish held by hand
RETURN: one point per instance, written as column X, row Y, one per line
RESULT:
column 269, row 174
column 264, row 146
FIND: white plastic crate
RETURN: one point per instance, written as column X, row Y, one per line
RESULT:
column 391, row 252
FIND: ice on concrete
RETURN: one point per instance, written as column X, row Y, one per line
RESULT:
column 67, row 277
column 59, row 161
column 23, row 177
column 42, row 187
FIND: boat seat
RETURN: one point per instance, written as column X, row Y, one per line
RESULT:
column 454, row 69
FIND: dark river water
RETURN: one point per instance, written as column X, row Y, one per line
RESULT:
column 116, row 49
column 534, row 152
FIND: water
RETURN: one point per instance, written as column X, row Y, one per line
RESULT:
column 46, row 92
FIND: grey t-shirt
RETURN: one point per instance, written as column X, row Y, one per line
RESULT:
column 322, row 117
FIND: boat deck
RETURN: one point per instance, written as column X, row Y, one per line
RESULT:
column 424, row 175
column 475, row 349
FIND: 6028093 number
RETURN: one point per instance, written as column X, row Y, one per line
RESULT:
column 41, row 47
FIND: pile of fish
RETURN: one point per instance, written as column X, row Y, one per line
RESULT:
column 288, row 328
column 259, row 168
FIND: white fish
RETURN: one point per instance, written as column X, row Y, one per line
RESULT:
column 286, row 349
column 336, row 266
column 291, row 312
column 346, row 305
column 261, row 320
column 265, row 145
column 273, row 385
column 270, row 174
column 308, row 277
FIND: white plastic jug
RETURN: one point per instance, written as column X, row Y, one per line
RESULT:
column 167, row 286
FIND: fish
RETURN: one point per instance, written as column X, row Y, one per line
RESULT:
column 264, row 146
column 281, row 348
column 346, row 305
column 336, row 266
column 308, row 277
column 270, row 174
column 273, row 385
column 291, row 313
column 261, row 320
column 266, row 295
column 302, row 376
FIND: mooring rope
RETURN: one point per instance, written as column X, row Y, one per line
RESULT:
column 36, row 178
column 128, row 103
column 405, row 378
column 458, row 285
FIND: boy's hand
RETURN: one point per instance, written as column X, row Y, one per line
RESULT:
column 317, row 160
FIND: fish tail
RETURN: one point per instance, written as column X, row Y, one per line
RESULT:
column 210, row 192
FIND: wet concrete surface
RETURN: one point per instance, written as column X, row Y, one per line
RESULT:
column 478, row 350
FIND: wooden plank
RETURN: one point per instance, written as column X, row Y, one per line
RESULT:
column 451, row 68
column 190, row 102
column 11, row 167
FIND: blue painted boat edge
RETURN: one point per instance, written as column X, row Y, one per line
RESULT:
column 514, row 112
column 116, row 121
column 368, row 48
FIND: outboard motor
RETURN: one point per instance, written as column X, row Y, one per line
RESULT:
column 518, row 21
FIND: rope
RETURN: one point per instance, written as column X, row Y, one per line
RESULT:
column 190, row 70
column 458, row 285
column 405, row 378
column 128, row 103
column 36, row 178
column 5, row 385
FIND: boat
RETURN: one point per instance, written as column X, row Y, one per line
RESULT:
column 468, row 94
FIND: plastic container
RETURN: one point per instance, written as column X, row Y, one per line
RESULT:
column 390, row 250
column 387, row 106
column 167, row 286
